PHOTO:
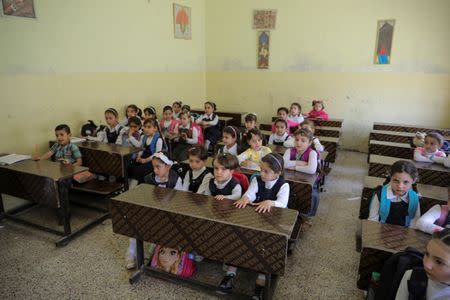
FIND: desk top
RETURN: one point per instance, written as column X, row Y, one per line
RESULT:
column 391, row 144
column 388, row 160
column 426, row 190
column 399, row 133
column 279, row 221
column 46, row 168
column 392, row 238
column 110, row 148
column 409, row 126
column 223, row 118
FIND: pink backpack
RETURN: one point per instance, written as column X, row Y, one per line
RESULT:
column 443, row 216
column 175, row 261
column 200, row 132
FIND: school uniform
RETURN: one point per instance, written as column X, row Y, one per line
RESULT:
column 212, row 132
column 434, row 219
column 297, row 119
column 180, row 146
column 291, row 156
column 108, row 134
column 69, row 152
column 168, row 127
column 173, row 182
column 125, row 140
column 151, row 146
column 197, row 181
column 231, row 188
column 422, row 156
column 276, row 190
column 291, row 126
column 398, row 210
column 281, row 140
column 435, row 290
column 232, row 150
column 254, row 157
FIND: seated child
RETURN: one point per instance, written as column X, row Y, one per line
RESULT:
column 231, row 140
column 185, row 135
column 309, row 124
column 435, row 272
column 251, row 121
column 168, row 123
column 318, row 111
column 150, row 113
column 111, row 131
column 224, row 185
column 397, row 202
column 197, row 178
column 296, row 113
column 430, row 151
column 265, row 191
column 187, row 110
column 302, row 157
column 435, row 219
column 251, row 158
column 64, row 151
column 282, row 113
column 131, row 136
column 132, row 111
column 281, row 136
column 176, row 107
column 210, row 123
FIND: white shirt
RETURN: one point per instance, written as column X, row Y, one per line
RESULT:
column 426, row 221
column 374, row 214
column 131, row 139
column 427, row 157
column 311, row 168
column 191, row 141
column 297, row 119
column 210, row 123
column 101, row 135
column 317, row 145
column 285, row 138
column 236, row 193
column 159, row 144
column 232, row 150
column 178, row 185
column 195, row 173
column 435, row 290
column 282, row 196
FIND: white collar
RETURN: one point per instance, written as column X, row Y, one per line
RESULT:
column 195, row 173
column 115, row 128
column 222, row 185
column 230, row 149
column 281, row 136
column 270, row 184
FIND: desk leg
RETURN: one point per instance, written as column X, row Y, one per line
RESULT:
column 126, row 164
column 2, row 208
column 63, row 190
column 140, row 262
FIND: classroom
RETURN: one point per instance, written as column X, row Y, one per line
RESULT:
column 211, row 149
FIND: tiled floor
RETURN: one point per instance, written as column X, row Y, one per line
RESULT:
column 324, row 265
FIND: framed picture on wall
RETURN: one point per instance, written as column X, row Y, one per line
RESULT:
column 264, row 19
column 182, row 21
column 383, row 48
column 19, row 8
column 263, row 49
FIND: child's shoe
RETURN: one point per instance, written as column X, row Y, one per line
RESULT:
column 227, row 284
column 131, row 263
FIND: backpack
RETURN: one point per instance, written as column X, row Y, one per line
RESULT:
column 89, row 129
column 184, row 266
column 243, row 181
column 394, row 269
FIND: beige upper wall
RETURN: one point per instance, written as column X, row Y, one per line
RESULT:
column 324, row 49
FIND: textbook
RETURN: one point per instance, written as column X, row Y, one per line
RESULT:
column 13, row 158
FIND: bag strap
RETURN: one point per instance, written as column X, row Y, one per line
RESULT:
column 417, row 284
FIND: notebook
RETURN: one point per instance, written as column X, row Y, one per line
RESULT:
column 13, row 158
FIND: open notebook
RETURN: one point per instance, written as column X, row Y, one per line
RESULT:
column 13, row 158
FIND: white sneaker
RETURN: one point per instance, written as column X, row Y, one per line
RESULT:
column 131, row 263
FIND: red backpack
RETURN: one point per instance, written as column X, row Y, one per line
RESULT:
column 242, row 179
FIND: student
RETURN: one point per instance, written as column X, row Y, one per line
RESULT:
column 187, row 110
column 309, row 124
column 296, row 113
column 251, row 122
column 152, row 143
column 210, row 123
column 224, row 185
column 186, row 134
column 251, row 158
column 112, row 129
column 130, row 135
column 231, row 140
column 265, row 191
column 176, row 107
column 318, row 111
column 282, row 113
column 302, row 157
column 281, row 137
column 436, row 273
column 131, row 111
column 430, row 151
column 435, row 219
column 150, row 113
column 197, row 178
column 397, row 202
column 168, row 123
column 64, row 151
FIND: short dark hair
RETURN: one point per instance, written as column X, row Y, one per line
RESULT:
column 198, row 151
column 318, row 102
column 167, row 107
column 231, row 130
column 112, row 111
column 186, row 107
column 213, row 105
column 179, row 103
column 298, row 105
column 150, row 110
column 281, row 121
column 274, row 161
column 134, row 120
column 152, row 122
column 283, row 109
column 64, row 127
column 253, row 132
column 135, row 108
column 437, row 136
column 406, row 166
column 250, row 118
column 228, row 160
column 304, row 132
column 443, row 236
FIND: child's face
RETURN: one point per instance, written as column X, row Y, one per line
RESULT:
column 209, row 109
column 176, row 108
column 131, row 112
column 160, row 168
column 280, row 128
column 228, row 139
column 184, row 120
column 255, row 142
column 431, row 145
column 133, row 127
column 187, row 112
column 149, row 129
column 148, row 115
column 167, row 115
column 249, row 125
column 195, row 163
column 295, row 110
column 168, row 257
column 436, row 261
column 318, row 106
column 401, row 183
column 282, row 114
column 301, row 143
column 221, row 174
column 267, row 174
column 110, row 119
column 307, row 126
column 62, row 137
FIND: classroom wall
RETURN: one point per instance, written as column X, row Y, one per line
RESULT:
column 324, row 49
column 80, row 57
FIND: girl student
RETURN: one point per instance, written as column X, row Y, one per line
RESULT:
column 152, row 143
column 318, row 111
column 176, row 107
column 251, row 158
column 209, row 121
column 397, row 201
column 149, row 113
column 110, row 132
column 224, row 185
column 302, row 157
column 251, row 122
column 281, row 136
column 168, row 123
column 295, row 113
column 282, row 113
column 131, row 134
column 430, row 151
column 186, row 134
column 435, row 219
column 131, row 111
column 309, row 124
column 265, row 191
column 197, row 177
column 231, row 140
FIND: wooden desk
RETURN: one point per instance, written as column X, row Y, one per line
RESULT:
column 394, row 136
column 400, row 150
column 380, row 241
column 429, row 173
column 46, row 183
column 328, row 123
column 431, row 195
column 214, row 229
column 409, row 128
